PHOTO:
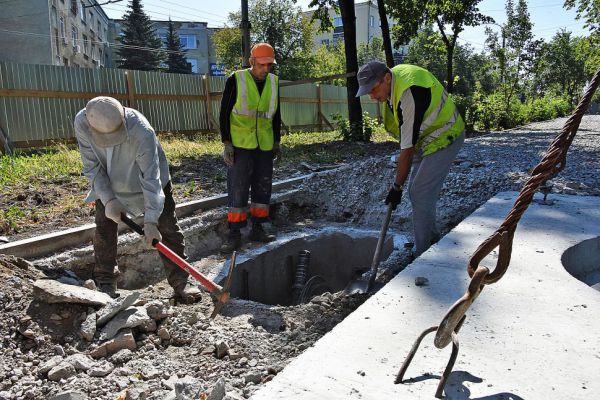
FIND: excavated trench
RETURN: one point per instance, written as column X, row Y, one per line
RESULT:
column 299, row 268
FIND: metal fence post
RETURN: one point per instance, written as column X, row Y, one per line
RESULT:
column 208, row 101
column 130, row 88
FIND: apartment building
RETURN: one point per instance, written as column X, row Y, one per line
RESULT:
column 195, row 37
column 368, row 26
column 55, row 32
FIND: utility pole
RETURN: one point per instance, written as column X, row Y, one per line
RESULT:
column 245, row 28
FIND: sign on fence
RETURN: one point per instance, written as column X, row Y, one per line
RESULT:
column 217, row 69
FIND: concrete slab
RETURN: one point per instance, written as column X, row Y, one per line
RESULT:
column 533, row 335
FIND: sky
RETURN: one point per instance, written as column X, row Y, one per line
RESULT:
column 548, row 16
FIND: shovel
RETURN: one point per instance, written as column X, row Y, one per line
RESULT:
column 361, row 286
column 221, row 294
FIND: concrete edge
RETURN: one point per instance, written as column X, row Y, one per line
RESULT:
column 42, row 245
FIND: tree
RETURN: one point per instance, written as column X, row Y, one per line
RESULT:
column 371, row 51
column 176, row 62
column 140, row 47
column 228, row 44
column 279, row 23
column 427, row 50
column 331, row 61
column 412, row 14
column 590, row 11
column 284, row 26
column 385, row 33
column 518, row 53
column 346, row 8
column 564, row 66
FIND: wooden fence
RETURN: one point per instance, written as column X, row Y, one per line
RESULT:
column 38, row 102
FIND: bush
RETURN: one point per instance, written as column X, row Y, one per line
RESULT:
column 547, row 107
column 490, row 112
column 350, row 133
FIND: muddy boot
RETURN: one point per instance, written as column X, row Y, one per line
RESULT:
column 233, row 242
column 258, row 234
column 110, row 288
column 187, row 294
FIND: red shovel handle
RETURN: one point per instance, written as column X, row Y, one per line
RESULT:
column 171, row 255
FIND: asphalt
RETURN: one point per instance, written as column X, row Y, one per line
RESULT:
column 532, row 335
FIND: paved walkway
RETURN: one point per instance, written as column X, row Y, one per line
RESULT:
column 533, row 335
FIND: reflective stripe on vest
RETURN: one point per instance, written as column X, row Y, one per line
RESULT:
column 251, row 121
column 442, row 123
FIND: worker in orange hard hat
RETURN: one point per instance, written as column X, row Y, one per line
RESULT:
column 250, row 123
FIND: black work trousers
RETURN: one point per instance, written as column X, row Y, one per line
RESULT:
column 106, row 235
column 250, row 176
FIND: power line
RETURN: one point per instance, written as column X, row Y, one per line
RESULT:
column 191, row 8
column 528, row 7
column 107, row 43
column 186, row 18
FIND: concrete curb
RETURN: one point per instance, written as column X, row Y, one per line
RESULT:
column 39, row 246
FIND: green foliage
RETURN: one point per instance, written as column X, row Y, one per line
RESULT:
column 371, row 51
column 228, row 45
column 547, row 107
column 427, row 50
column 489, row 112
column 588, row 10
column 141, row 48
column 176, row 62
column 456, row 14
column 10, row 218
column 330, row 60
column 280, row 23
column 352, row 132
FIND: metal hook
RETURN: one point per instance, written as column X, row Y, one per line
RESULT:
column 447, row 371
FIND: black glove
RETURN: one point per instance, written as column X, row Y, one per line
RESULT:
column 393, row 197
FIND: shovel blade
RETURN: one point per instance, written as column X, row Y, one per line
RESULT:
column 361, row 286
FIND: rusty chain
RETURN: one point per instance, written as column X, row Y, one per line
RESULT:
column 551, row 164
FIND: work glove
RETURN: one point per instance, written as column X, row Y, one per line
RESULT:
column 276, row 151
column 113, row 209
column 394, row 197
column 228, row 154
column 150, row 233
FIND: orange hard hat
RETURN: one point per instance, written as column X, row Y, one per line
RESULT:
column 263, row 53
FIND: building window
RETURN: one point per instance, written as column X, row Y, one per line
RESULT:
column 57, row 41
column 54, row 16
column 91, row 21
column 325, row 42
column 100, row 57
column 74, row 7
column 65, row 61
column 99, row 30
column 194, row 63
column 93, row 52
column 188, row 41
column 75, row 38
column 63, row 33
column 86, row 45
column 163, row 39
column 337, row 22
column 371, row 21
column 82, row 13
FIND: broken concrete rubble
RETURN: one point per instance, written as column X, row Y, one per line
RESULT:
column 51, row 291
column 130, row 318
column 112, row 308
column 124, row 340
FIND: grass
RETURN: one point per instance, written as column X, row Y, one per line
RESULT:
column 45, row 184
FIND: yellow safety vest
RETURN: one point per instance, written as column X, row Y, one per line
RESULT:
column 442, row 123
column 251, row 121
